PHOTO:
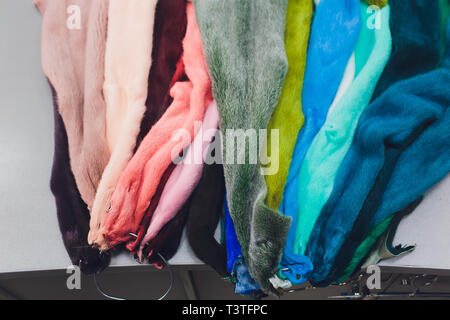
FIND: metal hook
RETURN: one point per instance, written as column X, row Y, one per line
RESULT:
column 99, row 289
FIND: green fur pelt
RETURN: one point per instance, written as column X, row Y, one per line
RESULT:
column 243, row 42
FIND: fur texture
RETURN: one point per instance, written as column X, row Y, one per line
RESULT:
column 127, row 66
column 401, row 149
column 329, row 147
column 294, row 267
column 378, row 3
column 288, row 116
column 185, row 177
column 334, row 34
column 431, row 52
column 445, row 14
column 244, row 49
column 204, row 214
column 73, row 214
column 378, row 243
column 168, row 239
column 415, row 41
column 168, row 34
column 346, row 82
column 140, row 179
column 73, row 61
column 134, row 243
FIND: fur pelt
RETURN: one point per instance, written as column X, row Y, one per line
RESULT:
column 73, row 61
column 429, row 55
column 133, row 244
column 73, row 214
column 127, row 66
column 185, row 177
column 168, row 34
column 346, row 82
column 334, row 34
column 288, row 116
column 445, row 14
column 244, row 49
column 400, row 150
column 415, row 41
column 139, row 181
column 168, row 240
column 378, row 243
column 329, row 147
column 205, row 211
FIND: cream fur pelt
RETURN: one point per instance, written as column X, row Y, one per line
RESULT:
column 127, row 65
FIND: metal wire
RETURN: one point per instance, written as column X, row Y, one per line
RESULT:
column 99, row 289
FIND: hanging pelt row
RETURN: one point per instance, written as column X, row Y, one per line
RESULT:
column 347, row 100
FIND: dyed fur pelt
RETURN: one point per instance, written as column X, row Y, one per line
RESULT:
column 73, row 61
column 346, row 82
column 378, row 3
column 127, row 66
column 400, row 150
column 445, row 14
column 329, row 147
column 288, row 116
column 244, row 48
column 378, row 243
column 168, row 34
column 415, row 41
column 140, row 179
column 168, row 239
column 415, row 66
column 133, row 244
column 73, row 214
column 334, row 33
column 185, row 177
column 204, row 214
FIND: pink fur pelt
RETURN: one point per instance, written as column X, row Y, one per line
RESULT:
column 140, row 179
column 184, row 178
column 127, row 63
column 73, row 60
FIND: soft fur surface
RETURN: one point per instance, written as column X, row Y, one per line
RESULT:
column 167, row 68
column 346, row 82
column 244, row 49
column 378, row 243
column 416, row 66
column 168, row 240
column 127, row 66
column 140, row 179
column 378, row 3
column 73, row 61
column 401, row 149
column 73, row 214
column 185, row 177
column 134, row 243
column 299, row 267
column 445, row 14
column 334, row 34
column 234, row 250
column 205, row 211
column 168, row 34
column 288, row 116
column 329, row 147
column 415, row 41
